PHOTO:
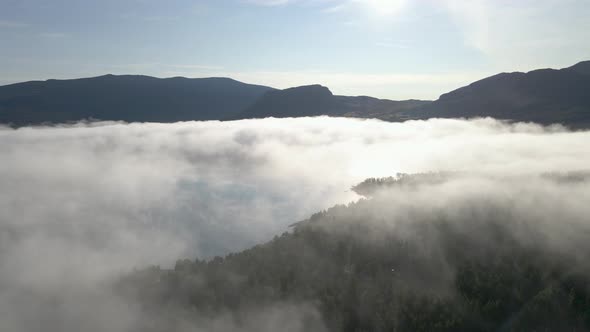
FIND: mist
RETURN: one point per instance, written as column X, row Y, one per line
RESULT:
column 81, row 204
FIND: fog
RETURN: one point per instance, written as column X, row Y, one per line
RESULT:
column 80, row 204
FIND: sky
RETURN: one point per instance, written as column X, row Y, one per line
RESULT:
column 396, row 49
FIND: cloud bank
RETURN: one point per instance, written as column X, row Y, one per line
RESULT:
column 82, row 203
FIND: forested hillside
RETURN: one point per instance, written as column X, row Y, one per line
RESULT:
column 406, row 259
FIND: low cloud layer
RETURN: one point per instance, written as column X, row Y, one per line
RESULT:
column 80, row 204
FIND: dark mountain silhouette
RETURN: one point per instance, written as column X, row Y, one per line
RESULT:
column 544, row 96
column 127, row 98
column 314, row 100
column 581, row 67
column 300, row 101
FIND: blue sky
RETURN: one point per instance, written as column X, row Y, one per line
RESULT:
column 395, row 49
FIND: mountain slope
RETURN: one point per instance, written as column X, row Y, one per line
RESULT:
column 315, row 100
column 544, row 96
column 127, row 98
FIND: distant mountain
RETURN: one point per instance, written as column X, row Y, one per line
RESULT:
column 127, row 98
column 544, row 96
column 314, row 100
column 383, row 109
column 294, row 102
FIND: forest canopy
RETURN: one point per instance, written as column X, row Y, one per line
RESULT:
column 427, row 252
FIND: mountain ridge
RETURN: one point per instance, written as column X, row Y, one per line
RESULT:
column 316, row 100
column 132, row 98
column 544, row 96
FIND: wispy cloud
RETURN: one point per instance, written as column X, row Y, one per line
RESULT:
column 269, row 2
column 376, row 9
column 157, row 67
column 12, row 24
column 381, row 8
column 327, row 6
column 399, row 44
column 160, row 18
column 196, row 67
column 147, row 18
column 53, row 35
column 337, row 7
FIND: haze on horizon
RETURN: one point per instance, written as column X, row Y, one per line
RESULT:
column 396, row 49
